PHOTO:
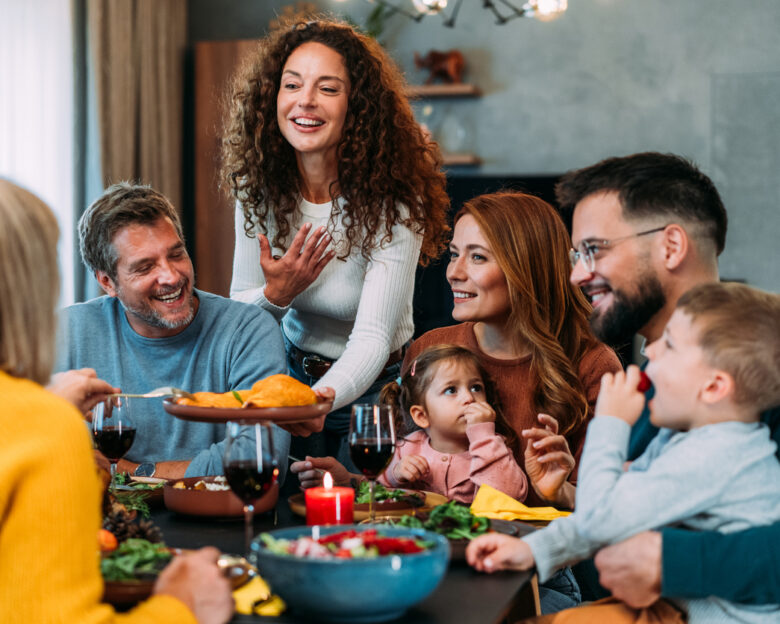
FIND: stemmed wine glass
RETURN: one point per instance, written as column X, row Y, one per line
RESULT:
column 113, row 430
column 250, row 467
column 371, row 444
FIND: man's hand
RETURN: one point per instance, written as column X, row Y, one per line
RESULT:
column 296, row 270
column 311, row 471
column 496, row 551
column 81, row 387
column 619, row 396
column 479, row 412
column 549, row 462
column 631, row 569
column 196, row 580
column 410, row 469
column 305, row 429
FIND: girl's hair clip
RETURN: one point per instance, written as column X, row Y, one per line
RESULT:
column 398, row 381
column 414, row 368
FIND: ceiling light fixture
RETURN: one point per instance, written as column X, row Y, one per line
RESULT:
column 503, row 10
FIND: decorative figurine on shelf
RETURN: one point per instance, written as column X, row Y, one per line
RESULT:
column 445, row 65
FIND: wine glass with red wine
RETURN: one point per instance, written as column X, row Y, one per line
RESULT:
column 113, row 430
column 371, row 444
column 250, row 466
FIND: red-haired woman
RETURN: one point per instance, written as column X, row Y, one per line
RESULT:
column 509, row 273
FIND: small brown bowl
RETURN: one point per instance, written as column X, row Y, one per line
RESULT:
column 125, row 594
column 212, row 503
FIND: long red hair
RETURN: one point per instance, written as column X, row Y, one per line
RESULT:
column 531, row 245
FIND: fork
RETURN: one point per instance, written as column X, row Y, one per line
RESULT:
column 298, row 459
column 164, row 391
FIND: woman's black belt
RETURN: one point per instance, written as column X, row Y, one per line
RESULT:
column 316, row 366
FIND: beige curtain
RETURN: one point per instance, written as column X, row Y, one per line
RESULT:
column 138, row 50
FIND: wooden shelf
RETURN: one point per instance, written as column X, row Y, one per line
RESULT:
column 461, row 160
column 443, row 90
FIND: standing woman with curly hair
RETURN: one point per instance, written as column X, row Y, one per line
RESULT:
column 339, row 196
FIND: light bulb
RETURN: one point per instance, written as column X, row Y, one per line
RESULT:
column 429, row 7
column 547, row 10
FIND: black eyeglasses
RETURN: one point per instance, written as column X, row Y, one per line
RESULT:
column 588, row 250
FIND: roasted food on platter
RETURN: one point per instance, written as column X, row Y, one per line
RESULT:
column 234, row 398
column 273, row 391
column 280, row 391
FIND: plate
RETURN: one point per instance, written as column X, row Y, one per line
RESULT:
column 212, row 503
column 297, row 504
column 278, row 415
column 125, row 594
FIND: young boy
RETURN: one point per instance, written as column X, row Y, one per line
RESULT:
column 712, row 466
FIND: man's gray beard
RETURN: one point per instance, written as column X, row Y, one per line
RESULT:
column 147, row 315
column 628, row 314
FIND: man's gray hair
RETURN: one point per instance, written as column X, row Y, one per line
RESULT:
column 121, row 204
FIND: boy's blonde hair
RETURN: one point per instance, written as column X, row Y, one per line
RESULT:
column 29, row 283
column 739, row 332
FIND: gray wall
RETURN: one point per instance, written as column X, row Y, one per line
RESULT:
column 698, row 78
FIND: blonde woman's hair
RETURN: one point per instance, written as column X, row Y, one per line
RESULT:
column 739, row 332
column 29, row 283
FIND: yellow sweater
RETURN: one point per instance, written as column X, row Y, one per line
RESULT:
column 50, row 515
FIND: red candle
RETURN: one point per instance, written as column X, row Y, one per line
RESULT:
column 328, row 504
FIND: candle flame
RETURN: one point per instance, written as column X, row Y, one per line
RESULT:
column 327, row 481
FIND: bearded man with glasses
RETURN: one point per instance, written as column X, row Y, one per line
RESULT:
column 646, row 228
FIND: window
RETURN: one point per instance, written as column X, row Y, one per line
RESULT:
column 36, row 112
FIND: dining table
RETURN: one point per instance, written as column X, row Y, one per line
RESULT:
column 464, row 595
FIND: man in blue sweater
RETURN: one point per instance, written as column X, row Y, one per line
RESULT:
column 153, row 329
column 646, row 228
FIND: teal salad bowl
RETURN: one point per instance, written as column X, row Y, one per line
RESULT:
column 353, row 590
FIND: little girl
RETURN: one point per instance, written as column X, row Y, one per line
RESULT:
column 454, row 440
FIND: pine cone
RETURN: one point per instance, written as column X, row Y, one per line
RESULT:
column 126, row 525
column 145, row 529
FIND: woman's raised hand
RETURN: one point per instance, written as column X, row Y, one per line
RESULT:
column 549, row 462
column 288, row 276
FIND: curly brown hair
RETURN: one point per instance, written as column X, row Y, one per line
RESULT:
column 531, row 245
column 384, row 159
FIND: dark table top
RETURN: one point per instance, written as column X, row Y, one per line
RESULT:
column 464, row 596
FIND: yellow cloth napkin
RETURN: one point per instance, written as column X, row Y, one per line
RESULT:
column 255, row 598
column 491, row 503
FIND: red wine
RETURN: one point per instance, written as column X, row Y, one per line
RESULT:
column 371, row 455
column 247, row 481
column 113, row 441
